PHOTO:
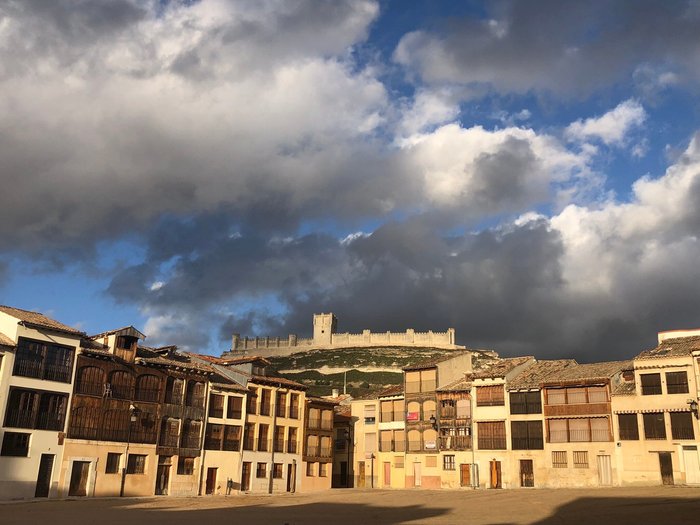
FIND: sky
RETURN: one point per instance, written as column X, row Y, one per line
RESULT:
column 527, row 173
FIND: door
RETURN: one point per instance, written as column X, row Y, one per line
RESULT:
column 289, row 477
column 79, row 478
column 692, row 465
column 387, row 474
column 495, row 474
column 43, row 479
column 417, row 477
column 527, row 474
column 604, row 471
column 211, row 480
column 162, row 480
column 343, row 473
column 464, row 475
column 360, row 474
column 245, row 476
column 666, row 468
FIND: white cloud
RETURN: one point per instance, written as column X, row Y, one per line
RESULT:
column 610, row 128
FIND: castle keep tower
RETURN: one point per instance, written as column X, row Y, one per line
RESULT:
column 324, row 327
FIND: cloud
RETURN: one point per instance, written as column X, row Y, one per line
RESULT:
column 612, row 127
column 567, row 49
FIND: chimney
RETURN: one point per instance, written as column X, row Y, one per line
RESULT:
column 336, row 393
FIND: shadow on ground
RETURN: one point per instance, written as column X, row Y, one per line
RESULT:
column 493, row 510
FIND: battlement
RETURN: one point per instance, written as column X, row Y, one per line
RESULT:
column 326, row 337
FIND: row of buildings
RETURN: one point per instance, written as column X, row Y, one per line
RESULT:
column 103, row 415
column 473, row 419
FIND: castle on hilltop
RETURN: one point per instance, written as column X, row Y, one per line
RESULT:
column 325, row 336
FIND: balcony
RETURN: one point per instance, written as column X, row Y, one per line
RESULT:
column 49, row 421
column 278, row 445
column 294, row 412
column 20, row 418
column 232, row 445
column 292, row 447
column 455, row 442
column 392, row 446
column 579, row 436
column 249, row 444
column 169, row 440
column 91, row 388
column 313, row 423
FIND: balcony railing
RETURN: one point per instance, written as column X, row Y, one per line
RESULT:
column 281, row 411
column 294, row 412
column 392, row 446
column 28, row 367
column 579, row 436
column 292, row 447
column 232, row 444
column 191, row 441
column 249, row 444
column 651, row 390
column 279, row 445
column 90, row 388
column 263, row 445
column 313, row 423
column 21, row 418
column 169, row 440
column 49, row 421
column 455, row 442
column 265, row 409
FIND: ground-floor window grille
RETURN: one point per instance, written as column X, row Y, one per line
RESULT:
column 559, row 459
column 580, row 459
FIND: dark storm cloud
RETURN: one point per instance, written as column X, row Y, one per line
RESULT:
column 560, row 47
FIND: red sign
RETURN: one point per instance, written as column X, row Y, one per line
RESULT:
column 412, row 416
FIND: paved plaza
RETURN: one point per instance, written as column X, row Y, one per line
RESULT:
column 619, row 506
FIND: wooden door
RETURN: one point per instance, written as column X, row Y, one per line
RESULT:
column 387, row 474
column 465, row 475
column 211, row 480
column 417, row 475
column 162, row 480
column 343, row 473
column 527, row 474
column 289, row 478
column 79, row 478
column 495, row 474
column 43, row 480
column 666, row 468
column 245, row 476
column 604, row 471
column 692, row 465
column 360, row 474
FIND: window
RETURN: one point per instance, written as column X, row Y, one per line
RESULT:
column 464, row 408
column 195, row 394
column 278, row 439
column 386, row 411
column 261, row 470
column 413, row 411
column 431, row 461
column 677, row 382
column 169, row 432
column 312, row 445
column 216, row 405
column 262, row 437
column 371, row 442
column 190, row 433
column 185, row 466
column 682, row 425
column 559, row 459
column 252, row 402
column 277, row 470
column 579, row 429
column 313, row 419
column 15, row 444
column 121, row 385
column 399, row 441
column 629, row 429
column 385, row 440
column 492, row 434
column 577, row 395
column 136, row 464
column 398, row 461
column 490, row 396
column 43, row 360
column 429, row 409
column 310, row 469
column 526, row 435
column 147, row 388
column 36, row 409
column 112, row 464
column 421, row 381
column 525, row 403
column 232, row 437
column 292, row 441
column 174, row 389
column 294, row 406
column 249, row 436
column 84, row 422
column 265, row 399
column 323, row 470
column 651, row 384
column 90, row 381
column 327, row 419
column 448, row 462
column 281, row 404
column 234, row 410
column 370, row 414
column 414, row 441
column 654, row 425
column 580, row 459
column 212, row 437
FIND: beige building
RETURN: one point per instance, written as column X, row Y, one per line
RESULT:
column 656, row 417
column 317, row 471
column 36, row 375
column 392, row 438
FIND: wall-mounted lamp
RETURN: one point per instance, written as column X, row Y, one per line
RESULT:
column 433, row 422
column 693, row 404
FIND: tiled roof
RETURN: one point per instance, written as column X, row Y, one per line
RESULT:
column 37, row 319
column 533, row 376
column 431, row 363
column 6, row 341
column 676, row 347
column 232, row 361
column 461, row 385
column 501, row 367
column 117, row 330
column 277, row 381
column 322, row 400
column 393, row 390
column 171, row 358
column 588, row 372
column 624, row 388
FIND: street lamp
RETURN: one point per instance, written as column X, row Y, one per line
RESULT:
column 433, row 422
column 133, row 417
column 693, row 404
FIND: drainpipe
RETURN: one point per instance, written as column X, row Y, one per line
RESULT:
column 472, row 471
column 272, row 441
column 204, row 433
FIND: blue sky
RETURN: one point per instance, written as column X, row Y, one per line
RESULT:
column 524, row 172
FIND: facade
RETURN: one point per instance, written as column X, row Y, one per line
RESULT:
column 656, row 417
column 342, row 447
column 136, row 420
column 317, row 469
column 37, row 364
column 326, row 336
